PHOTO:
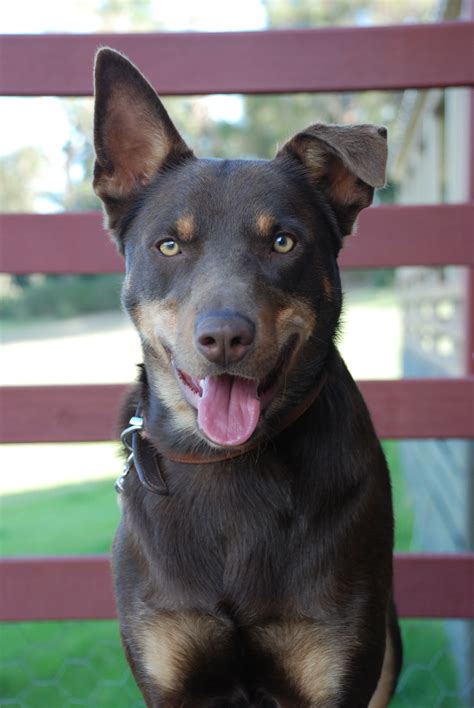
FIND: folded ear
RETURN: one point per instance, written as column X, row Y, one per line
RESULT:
column 133, row 135
column 345, row 162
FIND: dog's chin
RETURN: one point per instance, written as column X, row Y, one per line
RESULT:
column 230, row 408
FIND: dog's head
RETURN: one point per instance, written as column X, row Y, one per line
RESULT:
column 231, row 274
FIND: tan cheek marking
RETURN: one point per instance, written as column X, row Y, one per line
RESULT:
column 310, row 656
column 265, row 223
column 157, row 321
column 185, row 227
column 296, row 318
column 170, row 643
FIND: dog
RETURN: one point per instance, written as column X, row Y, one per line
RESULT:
column 253, row 562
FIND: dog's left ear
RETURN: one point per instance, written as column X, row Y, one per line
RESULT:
column 134, row 137
column 345, row 162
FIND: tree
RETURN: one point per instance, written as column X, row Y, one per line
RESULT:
column 18, row 173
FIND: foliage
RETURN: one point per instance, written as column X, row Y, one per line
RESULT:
column 308, row 13
column 59, row 296
column 266, row 122
column 19, row 172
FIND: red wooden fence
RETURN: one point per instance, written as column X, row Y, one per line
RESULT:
column 282, row 61
column 387, row 237
column 81, row 587
column 417, row 56
column 410, row 408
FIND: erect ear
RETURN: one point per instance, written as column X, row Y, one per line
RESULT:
column 133, row 135
column 346, row 162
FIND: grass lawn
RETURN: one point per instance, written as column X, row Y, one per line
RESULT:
column 56, row 664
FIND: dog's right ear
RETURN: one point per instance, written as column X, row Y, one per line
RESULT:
column 134, row 137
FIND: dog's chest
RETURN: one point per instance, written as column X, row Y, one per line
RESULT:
column 230, row 535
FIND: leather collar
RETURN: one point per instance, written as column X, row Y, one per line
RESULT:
column 145, row 458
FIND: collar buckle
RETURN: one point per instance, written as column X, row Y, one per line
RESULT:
column 141, row 457
column 135, row 425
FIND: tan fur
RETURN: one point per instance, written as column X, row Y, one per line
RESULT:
column 342, row 179
column 346, row 160
column 265, row 224
column 170, row 643
column 361, row 148
column 314, row 158
column 159, row 323
column 185, row 227
column 383, row 692
column 312, row 656
column 135, row 145
column 156, row 322
column 297, row 317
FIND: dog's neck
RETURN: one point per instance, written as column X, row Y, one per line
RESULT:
column 201, row 452
column 150, row 440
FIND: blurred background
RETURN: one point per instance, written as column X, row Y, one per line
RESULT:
column 70, row 329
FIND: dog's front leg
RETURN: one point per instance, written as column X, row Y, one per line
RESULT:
column 185, row 659
column 326, row 664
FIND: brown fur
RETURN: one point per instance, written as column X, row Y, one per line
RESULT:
column 261, row 580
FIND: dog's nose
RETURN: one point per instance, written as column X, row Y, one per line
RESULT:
column 224, row 338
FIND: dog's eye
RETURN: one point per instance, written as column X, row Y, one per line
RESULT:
column 168, row 247
column 283, row 243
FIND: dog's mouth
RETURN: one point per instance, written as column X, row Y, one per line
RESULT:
column 230, row 407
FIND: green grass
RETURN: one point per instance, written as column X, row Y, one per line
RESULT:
column 403, row 511
column 56, row 664
column 52, row 664
column 74, row 519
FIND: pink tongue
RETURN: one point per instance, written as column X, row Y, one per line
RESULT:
column 229, row 409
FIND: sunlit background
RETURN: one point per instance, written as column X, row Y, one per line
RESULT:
column 70, row 329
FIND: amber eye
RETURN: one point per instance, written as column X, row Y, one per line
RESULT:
column 168, row 247
column 283, row 243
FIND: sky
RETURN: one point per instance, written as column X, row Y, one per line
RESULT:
column 50, row 128
column 31, row 16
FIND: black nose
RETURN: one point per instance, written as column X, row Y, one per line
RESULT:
column 224, row 338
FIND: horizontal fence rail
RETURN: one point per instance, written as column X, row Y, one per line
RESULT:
column 408, row 408
column 286, row 61
column 275, row 61
column 80, row 587
column 387, row 237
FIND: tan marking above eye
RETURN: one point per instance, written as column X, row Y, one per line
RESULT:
column 265, row 224
column 283, row 243
column 185, row 227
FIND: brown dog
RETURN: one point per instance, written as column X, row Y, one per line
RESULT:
column 253, row 564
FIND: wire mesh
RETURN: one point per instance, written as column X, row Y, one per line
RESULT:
column 61, row 664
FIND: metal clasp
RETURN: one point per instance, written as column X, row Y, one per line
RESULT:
column 135, row 424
